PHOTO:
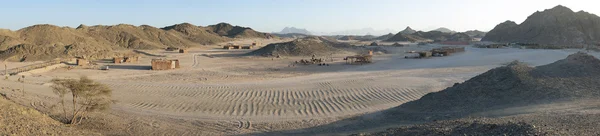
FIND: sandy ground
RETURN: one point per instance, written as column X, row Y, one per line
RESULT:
column 224, row 92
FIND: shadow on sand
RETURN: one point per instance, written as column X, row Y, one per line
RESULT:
column 377, row 121
column 148, row 54
column 130, row 67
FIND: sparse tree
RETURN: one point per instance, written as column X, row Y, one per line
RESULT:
column 86, row 95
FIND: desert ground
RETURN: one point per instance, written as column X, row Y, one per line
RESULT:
column 224, row 92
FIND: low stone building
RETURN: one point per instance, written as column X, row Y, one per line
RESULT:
column 164, row 64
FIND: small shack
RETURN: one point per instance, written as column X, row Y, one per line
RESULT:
column 227, row 47
column 183, row 51
column 82, row 62
column 126, row 59
column 359, row 59
column 247, row 47
column 425, row 54
column 230, row 46
column 164, row 64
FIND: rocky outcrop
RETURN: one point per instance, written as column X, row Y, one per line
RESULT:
column 556, row 26
column 408, row 30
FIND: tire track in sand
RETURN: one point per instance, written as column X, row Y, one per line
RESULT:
column 306, row 100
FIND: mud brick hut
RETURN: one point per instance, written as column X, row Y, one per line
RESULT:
column 183, row 51
column 164, row 64
column 82, row 62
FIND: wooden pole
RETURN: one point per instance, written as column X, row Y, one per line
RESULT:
column 23, row 81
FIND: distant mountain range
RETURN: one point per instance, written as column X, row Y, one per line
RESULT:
column 293, row 30
column 445, row 30
column 557, row 26
column 355, row 32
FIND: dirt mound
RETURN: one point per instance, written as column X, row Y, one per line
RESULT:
column 18, row 120
column 477, row 127
column 557, row 26
column 300, row 47
column 573, row 78
column 44, row 42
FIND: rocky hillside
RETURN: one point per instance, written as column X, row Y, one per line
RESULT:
column 385, row 37
column 19, row 120
column 475, row 33
column 44, row 42
column 399, row 37
column 301, row 47
column 557, row 26
column 228, row 30
column 445, row 30
column 408, row 30
column 360, row 38
column 573, row 78
column 437, row 36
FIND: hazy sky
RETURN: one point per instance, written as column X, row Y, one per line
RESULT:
column 274, row 15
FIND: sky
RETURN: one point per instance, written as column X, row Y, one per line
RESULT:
column 274, row 15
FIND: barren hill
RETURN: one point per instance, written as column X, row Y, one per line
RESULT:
column 44, row 42
column 385, row 37
column 225, row 29
column 445, row 30
column 195, row 34
column 556, row 26
column 405, row 37
column 355, row 37
column 408, row 30
column 475, row 33
column 573, row 78
column 300, row 47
